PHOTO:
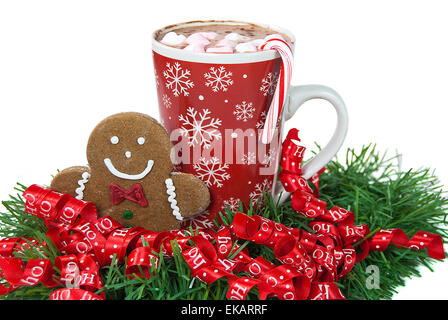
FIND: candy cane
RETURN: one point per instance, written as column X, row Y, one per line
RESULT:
column 274, row 42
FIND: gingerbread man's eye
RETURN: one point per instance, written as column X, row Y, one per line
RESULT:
column 114, row 140
column 141, row 140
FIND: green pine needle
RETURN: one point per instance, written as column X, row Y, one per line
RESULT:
column 368, row 183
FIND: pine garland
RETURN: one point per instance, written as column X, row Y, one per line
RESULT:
column 368, row 183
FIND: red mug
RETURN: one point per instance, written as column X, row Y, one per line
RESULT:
column 214, row 106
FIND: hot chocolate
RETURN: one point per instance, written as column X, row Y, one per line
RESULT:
column 215, row 37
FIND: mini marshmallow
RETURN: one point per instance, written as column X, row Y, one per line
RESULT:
column 219, row 50
column 226, row 43
column 173, row 39
column 197, row 38
column 246, row 47
column 209, row 35
column 236, row 37
column 195, row 47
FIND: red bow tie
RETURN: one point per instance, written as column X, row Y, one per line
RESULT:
column 135, row 194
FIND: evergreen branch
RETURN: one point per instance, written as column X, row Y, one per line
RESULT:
column 368, row 182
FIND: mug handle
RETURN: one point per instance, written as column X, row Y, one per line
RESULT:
column 298, row 95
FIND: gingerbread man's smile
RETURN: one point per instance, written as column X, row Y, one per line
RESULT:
column 122, row 175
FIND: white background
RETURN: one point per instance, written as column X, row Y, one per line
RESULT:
column 65, row 65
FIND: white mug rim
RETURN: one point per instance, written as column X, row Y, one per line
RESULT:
column 235, row 58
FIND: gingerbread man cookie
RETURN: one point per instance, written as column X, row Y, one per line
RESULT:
column 130, row 177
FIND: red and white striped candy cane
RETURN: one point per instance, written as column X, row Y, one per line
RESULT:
column 274, row 42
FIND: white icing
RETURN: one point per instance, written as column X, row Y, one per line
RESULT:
column 141, row 140
column 114, row 140
column 126, row 176
column 128, row 154
column 170, row 190
column 80, row 191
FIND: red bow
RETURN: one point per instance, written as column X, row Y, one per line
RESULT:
column 339, row 223
column 135, row 194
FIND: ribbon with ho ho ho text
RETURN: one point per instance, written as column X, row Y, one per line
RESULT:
column 310, row 262
column 337, row 222
column 86, row 244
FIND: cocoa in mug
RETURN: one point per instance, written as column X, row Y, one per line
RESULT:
column 218, row 38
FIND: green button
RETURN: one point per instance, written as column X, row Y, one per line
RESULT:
column 127, row 214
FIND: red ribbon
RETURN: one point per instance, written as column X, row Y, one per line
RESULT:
column 308, row 263
column 134, row 194
column 74, row 294
column 338, row 223
column 87, row 245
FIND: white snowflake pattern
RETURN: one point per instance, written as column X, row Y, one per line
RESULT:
column 249, row 158
column 212, row 171
column 218, row 79
column 270, row 158
column 177, row 79
column 157, row 78
column 232, row 204
column 269, row 83
column 262, row 120
column 199, row 128
column 260, row 123
column 244, row 111
column 166, row 101
column 200, row 221
column 257, row 193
